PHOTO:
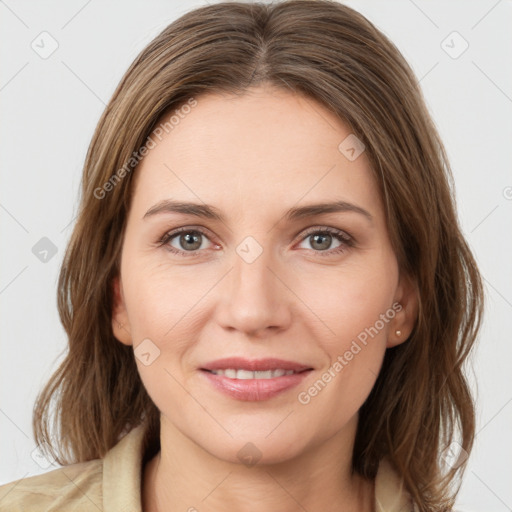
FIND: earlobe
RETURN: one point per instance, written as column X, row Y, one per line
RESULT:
column 120, row 323
column 407, row 297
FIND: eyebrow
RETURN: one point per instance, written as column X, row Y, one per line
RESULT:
column 210, row 212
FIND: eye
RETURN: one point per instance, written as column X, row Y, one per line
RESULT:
column 322, row 240
column 185, row 240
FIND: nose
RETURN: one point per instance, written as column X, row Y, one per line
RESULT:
column 255, row 299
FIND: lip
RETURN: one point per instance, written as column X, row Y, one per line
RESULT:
column 254, row 389
column 254, row 364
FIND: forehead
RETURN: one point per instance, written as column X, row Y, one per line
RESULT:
column 264, row 148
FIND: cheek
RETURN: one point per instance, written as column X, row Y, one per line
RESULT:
column 355, row 313
column 162, row 305
column 349, row 302
column 162, row 299
column 166, row 311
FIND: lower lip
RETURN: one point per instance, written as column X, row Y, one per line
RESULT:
column 255, row 389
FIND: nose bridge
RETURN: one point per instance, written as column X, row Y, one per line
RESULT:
column 253, row 278
column 255, row 299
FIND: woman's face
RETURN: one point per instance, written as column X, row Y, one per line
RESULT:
column 261, row 269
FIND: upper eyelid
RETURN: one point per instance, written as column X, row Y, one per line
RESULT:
column 173, row 233
column 327, row 229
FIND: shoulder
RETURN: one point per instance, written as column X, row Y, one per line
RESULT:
column 111, row 483
column 74, row 487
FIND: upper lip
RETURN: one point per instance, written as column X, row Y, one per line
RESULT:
column 254, row 365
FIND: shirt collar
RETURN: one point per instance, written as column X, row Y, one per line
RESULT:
column 122, row 473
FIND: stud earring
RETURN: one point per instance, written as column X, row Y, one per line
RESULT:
column 398, row 333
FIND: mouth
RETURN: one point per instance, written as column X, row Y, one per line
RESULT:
column 254, row 380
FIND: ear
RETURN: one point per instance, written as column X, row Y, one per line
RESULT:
column 405, row 306
column 120, row 324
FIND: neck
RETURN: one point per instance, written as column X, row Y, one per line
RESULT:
column 183, row 476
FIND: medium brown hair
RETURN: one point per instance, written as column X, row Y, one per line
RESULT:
column 334, row 55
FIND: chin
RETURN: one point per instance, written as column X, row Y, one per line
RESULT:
column 250, row 450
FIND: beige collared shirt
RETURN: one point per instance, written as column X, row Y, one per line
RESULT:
column 113, row 484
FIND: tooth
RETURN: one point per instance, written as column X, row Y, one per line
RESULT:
column 267, row 374
column 244, row 374
column 233, row 373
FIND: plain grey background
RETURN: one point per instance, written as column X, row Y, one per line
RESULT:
column 60, row 64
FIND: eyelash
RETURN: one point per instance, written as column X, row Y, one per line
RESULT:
column 345, row 239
